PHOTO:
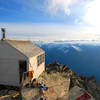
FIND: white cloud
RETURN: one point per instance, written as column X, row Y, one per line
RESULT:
column 92, row 15
column 54, row 6
column 44, row 31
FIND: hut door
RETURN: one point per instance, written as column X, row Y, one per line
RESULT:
column 22, row 69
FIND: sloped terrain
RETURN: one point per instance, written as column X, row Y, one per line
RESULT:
column 62, row 82
column 60, row 73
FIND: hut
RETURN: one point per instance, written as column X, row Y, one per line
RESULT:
column 18, row 59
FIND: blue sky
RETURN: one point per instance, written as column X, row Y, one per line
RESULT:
column 50, row 19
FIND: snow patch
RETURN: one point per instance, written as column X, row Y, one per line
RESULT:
column 76, row 48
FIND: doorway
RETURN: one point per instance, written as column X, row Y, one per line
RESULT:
column 22, row 70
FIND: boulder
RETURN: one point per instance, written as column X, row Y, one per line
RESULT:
column 92, row 87
column 6, row 97
column 3, row 92
column 30, row 94
column 77, row 92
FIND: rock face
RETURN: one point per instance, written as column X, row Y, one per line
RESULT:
column 93, row 87
column 77, row 92
column 88, row 83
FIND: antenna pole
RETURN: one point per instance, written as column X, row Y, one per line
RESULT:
column 3, row 33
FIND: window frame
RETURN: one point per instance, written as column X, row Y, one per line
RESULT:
column 40, row 59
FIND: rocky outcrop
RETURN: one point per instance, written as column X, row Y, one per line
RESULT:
column 90, row 84
column 92, row 87
column 77, row 92
column 58, row 86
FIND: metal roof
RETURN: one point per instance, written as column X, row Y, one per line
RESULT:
column 26, row 47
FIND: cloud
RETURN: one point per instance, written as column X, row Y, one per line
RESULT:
column 54, row 6
column 44, row 31
column 34, row 8
column 92, row 15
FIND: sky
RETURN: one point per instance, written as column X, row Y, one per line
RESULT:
column 50, row 19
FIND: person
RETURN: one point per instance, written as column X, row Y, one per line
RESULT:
column 56, row 62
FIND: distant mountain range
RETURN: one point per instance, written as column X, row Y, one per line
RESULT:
column 83, row 58
column 69, row 41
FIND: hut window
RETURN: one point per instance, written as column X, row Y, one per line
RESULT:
column 40, row 59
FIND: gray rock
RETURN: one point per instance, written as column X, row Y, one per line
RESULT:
column 6, row 97
column 76, row 92
column 93, row 87
column 30, row 94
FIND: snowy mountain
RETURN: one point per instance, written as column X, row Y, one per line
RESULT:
column 81, row 57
